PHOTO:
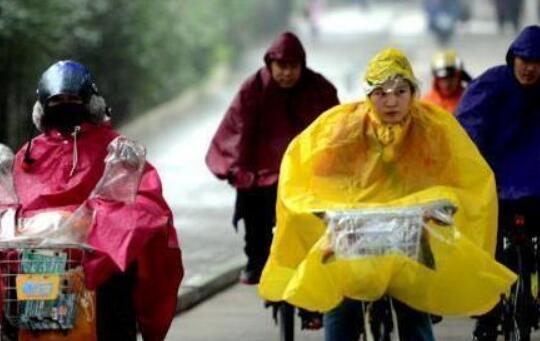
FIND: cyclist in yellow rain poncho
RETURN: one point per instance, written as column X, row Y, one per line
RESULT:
column 365, row 155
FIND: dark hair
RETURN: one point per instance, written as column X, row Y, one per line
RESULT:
column 411, row 85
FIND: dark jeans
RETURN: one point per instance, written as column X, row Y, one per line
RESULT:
column 529, row 208
column 257, row 207
column 345, row 322
column 116, row 318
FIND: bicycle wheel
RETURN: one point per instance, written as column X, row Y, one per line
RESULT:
column 516, row 318
column 380, row 321
column 286, row 322
column 522, row 302
column 509, row 325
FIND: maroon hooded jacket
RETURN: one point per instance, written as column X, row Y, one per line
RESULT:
column 263, row 118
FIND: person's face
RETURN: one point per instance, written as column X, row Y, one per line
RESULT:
column 63, row 113
column 527, row 72
column 285, row 74
column 448, row 86
column 392, row 100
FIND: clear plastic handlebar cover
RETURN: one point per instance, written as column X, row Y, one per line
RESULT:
column 51, row 229
column 381, row 231
column 8, row 196
column 124, row 166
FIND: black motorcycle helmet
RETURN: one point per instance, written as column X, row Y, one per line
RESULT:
column 66, row 97
column 66, row 77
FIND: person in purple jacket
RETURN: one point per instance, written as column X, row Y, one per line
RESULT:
column 273, row 105
column 501, row 112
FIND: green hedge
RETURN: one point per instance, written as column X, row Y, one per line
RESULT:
column 141, row 52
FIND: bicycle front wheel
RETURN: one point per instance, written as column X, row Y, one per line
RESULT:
column 286, row 322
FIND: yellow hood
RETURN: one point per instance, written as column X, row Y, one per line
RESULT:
column 385, row 65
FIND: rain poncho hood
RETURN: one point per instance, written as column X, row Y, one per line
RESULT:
column 263, row 118
column 286, row 47
column 387, row 64
column 343, row 162
column 525, row 45
column 503, row 119
column 50, row 179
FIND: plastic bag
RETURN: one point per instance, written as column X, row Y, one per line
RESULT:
column 125, row 164
column 123, row 170
column 378, row 232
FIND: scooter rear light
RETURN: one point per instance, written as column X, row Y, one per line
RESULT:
column 519, row 220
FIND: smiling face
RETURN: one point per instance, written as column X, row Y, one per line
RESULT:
column 392, row 100
column 527, row 72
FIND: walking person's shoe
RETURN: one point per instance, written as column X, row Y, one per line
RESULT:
column 250, row 276
column 310, row 320
column 484, row 334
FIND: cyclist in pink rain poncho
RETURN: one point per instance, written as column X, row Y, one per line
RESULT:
column 136, row 268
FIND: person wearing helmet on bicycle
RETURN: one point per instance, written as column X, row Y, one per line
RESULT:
column 501, row 113
column 449, row 80
column 272, row 106
column 390, row 151
column 136, row 268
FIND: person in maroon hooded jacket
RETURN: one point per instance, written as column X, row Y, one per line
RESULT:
column 273, row 105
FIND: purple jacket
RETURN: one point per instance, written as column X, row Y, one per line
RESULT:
column 503, row 118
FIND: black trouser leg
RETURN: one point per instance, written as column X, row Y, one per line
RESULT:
column 258, row 207
column 116, row 318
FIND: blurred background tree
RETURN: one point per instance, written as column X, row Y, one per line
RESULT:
column 141, row 52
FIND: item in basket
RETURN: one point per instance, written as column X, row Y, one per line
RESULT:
column 32, row 287
column 375, row 234
column 75, row 280
column 66, row 311
column 84, row 324
column 43, row 261
column 49, row 315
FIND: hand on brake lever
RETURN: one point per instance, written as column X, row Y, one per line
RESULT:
column 441, row 215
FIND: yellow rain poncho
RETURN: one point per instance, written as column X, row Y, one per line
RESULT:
column 348, row 159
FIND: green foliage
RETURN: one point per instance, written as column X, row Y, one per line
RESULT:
column 141, row 52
